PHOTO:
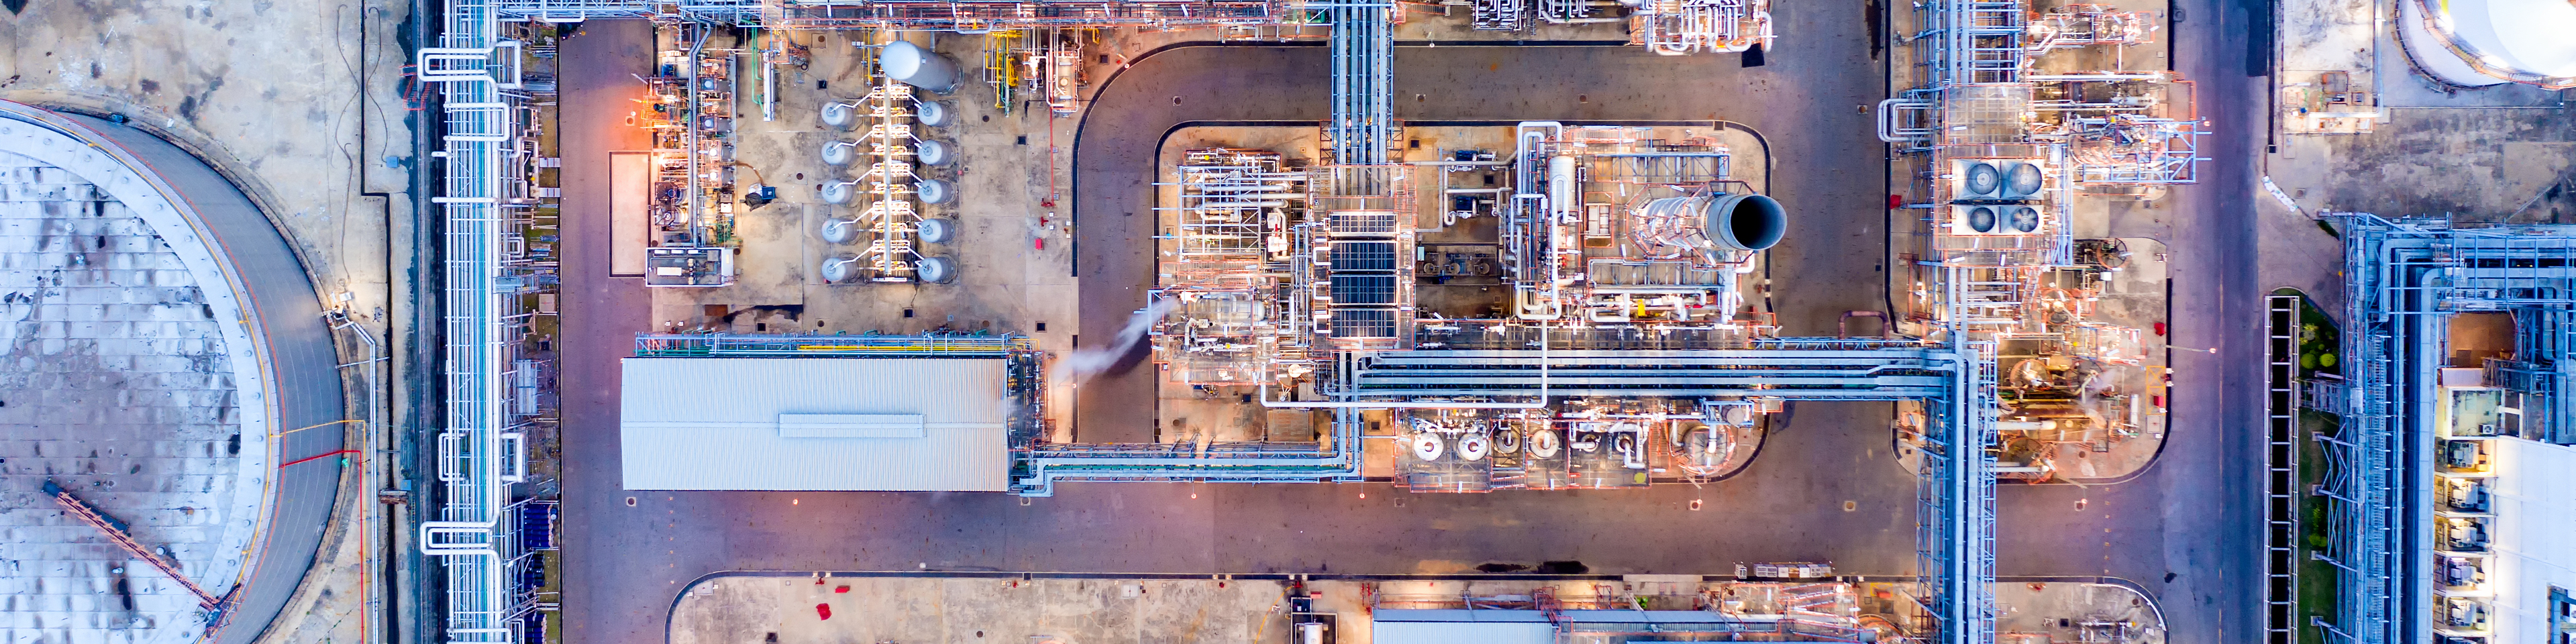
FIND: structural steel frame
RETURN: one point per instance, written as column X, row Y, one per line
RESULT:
column 481, row 446
column 1363, row 53
column 1955, row 499
column 871, row 14
column 2281, row 496
column 2405, row 278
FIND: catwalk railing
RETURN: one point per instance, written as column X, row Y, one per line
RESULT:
column 730, row 345
column 2282, row 500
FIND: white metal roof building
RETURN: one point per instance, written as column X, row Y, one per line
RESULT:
column 820, row 423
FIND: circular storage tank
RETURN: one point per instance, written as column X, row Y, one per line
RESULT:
column 1746, row 222
column 933, row 114
column 839, row 153
column 839, row 194
column 934, row 191
column 912, row 65
column 840, row 115
column 934, row 153
column 2491, row 42
column 841, row 269
column 840, row 231
column 936, row 270
column 936, row 230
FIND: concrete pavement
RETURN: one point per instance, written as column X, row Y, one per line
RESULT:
column 2178, row 517
column 2186, row 528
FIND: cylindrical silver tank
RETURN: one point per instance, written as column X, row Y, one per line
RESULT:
column 839, row 153
column 932, row 114
column 839, row 194
column 934, row 152
column 934, row 191
column 912, row 65
column 1745, row 222
column 936, row 230
column 840, row 231
column 840, row 115
column 1560, row 186
column 936, row 270
column 841, row 269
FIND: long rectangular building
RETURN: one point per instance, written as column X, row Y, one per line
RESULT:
column 824, row 423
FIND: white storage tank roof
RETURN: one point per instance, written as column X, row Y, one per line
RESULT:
column 2491, row 42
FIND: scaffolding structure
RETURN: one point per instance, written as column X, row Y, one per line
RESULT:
column 1683, row 27
column 2283, row 501
column 2006, row 140
column 1729, row 611
column 2405, row 279
column 484, row 204
column 1226, row 256
column 1626, row 340
column 690, row 117
column 1987, row 65
column 889, row 220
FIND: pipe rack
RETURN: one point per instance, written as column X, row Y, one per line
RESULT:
column 928, row 16
column 2405, row 279
column 483, row 203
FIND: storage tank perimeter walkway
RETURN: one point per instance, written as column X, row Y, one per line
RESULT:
column 161, row 335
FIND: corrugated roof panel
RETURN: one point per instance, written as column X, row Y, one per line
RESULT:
column 849, row 426
column 714, row 424
column 1461, row 627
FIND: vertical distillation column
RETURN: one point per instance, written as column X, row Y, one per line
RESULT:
column 477, row 134
column 1363, row 49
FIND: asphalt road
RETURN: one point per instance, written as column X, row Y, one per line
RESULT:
column 2187, row 515
column 2187, row 528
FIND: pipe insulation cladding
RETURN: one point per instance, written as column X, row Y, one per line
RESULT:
column 1735, row 222
column 840, row 231
column 932, row 114
column 840, row 115
column 913, row 65
column 934, row 191
column 1560, row 188
column 839, row 153
column 933, row 152
column 1746, row 222
column 841, row 269
column 936, row 230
